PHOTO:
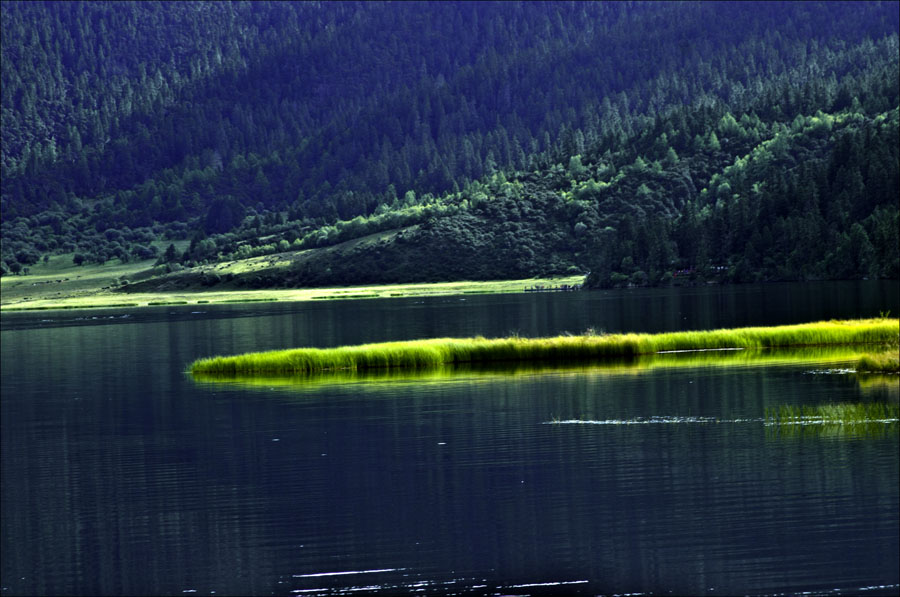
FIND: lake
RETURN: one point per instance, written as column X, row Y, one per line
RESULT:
column 121, row 475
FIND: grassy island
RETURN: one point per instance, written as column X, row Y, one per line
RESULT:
column 438, row 352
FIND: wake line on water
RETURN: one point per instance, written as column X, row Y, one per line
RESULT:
column 422, row 585
column 650, row 421
column 836, row 591
column 824, row 421
column 346, row 573
column 408, row 585
column 708, row 420
column 549, row 584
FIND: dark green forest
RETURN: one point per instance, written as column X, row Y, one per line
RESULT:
column 642, row 143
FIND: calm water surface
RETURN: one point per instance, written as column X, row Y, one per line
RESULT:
column 123, row 476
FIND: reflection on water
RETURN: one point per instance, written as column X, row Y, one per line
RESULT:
column 822, row 429
column 881, row 386
column 122, row 475
column 854, row 420
column 835, row 419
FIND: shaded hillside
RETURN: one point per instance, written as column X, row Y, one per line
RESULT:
column 528, row 137
column 816, row 200
column 752, row 201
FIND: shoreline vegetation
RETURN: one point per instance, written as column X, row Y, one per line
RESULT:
column 431, row 354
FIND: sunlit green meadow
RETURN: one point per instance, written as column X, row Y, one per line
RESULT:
column 59, row 284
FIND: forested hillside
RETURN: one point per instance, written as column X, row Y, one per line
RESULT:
column 646, row 143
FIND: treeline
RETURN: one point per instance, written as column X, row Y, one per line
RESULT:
column 816, row 199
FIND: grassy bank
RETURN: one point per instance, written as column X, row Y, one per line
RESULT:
column 435, row 353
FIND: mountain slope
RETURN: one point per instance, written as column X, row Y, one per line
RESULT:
column 813, row 200
column 247, row 126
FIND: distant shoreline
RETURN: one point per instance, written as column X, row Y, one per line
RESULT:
column 58, row 285
column 104, row 298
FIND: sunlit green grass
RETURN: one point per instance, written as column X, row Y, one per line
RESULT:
column 436, row 353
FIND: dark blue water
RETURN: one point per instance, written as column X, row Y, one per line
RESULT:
column 121, row 475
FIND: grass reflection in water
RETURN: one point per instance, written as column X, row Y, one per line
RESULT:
column 834, row 420
column 885, row 362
